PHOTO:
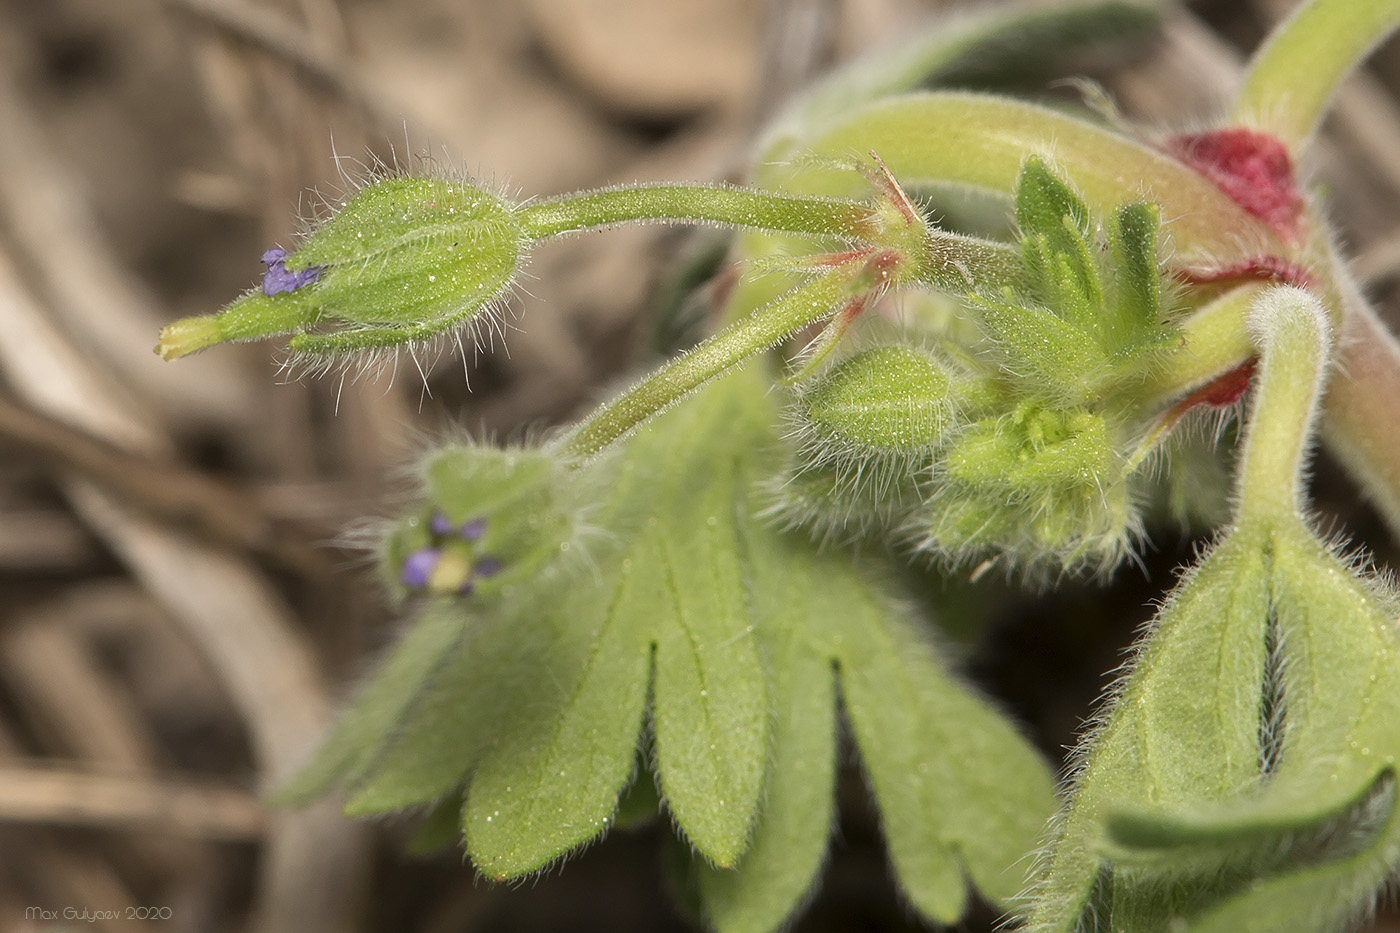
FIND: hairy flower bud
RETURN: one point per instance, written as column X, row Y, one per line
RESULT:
column 405, row 260
column 1040, row 484
column 888, row 399
column 493, row 518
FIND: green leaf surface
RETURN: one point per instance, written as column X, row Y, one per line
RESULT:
column 958, row 789
column 1341, row 660
column 709, row 710
column 1284, row 811
column 788, row 581
column 794, row 823
column 484, row 679
column 363, row 730
column 1184, row 729
column 1340, row 673
column 1320, row 897
column 669, row 586
column 551, row 781
column 961, row 793
column 687, row 487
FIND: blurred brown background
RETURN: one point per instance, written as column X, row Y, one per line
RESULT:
column 180, row 608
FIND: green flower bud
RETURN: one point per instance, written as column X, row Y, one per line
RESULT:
column 405, row 260
column 1034, row 448
column 492, row 518
column 838, row 505
column 889, row 399
column 1069, row 530
column 1041, row 484
column 867, row 430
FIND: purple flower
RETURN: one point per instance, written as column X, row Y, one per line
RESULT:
column 279, row 278
column 440, row 525
column 419, row 567
column 487, row 567
column 473, row 530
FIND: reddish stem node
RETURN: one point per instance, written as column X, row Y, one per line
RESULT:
column 1254, row 169
column 1267, row 268
column 1221, row 392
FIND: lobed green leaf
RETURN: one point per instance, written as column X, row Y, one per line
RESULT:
column 551, row 781
column 360, row 735
column 958, row 789
column 794, row 823
column 1184, row 729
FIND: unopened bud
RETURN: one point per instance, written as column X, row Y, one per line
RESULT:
column 405, row 260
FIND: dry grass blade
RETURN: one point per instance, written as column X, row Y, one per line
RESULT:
column 230, row 612
column 49, row 794
column 106, row 312
column 284, row 41
column 184, row 498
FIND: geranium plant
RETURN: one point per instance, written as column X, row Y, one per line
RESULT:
column 673, row 604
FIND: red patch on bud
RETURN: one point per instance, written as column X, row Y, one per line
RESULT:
column 1269, row 268
column 1254, row 169
column 1221, row 392
column 1226, row 390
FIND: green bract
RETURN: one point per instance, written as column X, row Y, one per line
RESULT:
column 1033, row 482
column 1090, row 313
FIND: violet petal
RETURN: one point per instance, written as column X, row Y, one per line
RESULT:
column 279, row 278
column 474, row 530
column 419, row 566
column 440, row 525
column 487, row 567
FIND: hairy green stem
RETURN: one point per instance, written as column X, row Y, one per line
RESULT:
column 982, row 142
column 956, row 264
column 748, row 208
column 682, row 375
column 1295, row 338
column 1294, row 75
column 1214, row 341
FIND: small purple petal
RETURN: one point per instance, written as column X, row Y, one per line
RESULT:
column 279, row 278
column 440, row 525
column 466, row 590
column 487, row 567
column 419, row 566
column 474, row 530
